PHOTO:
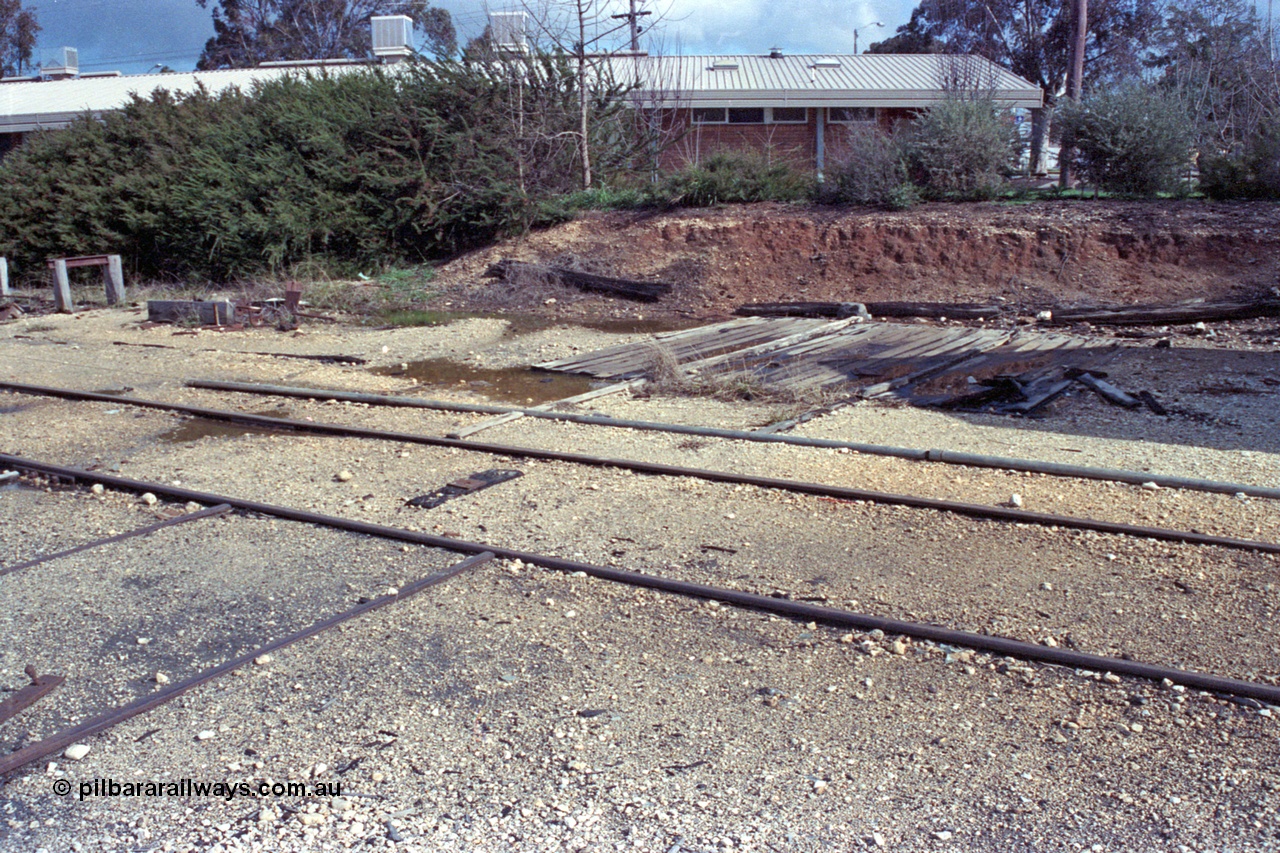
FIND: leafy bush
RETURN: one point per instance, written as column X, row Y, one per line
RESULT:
column 363, row 169
column 872, row 170
column 1253, row 172
column 963, row 148
column 731, row 177
column 1132, row 140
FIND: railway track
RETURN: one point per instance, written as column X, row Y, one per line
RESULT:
column 981, row 511
column 480, row 553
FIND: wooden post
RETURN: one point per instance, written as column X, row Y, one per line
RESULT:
column 113, row 277
column 4, row 277
column 61, row 287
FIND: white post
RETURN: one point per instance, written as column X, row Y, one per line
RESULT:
column 113, row 276
column 4, row 276
column 61, row 287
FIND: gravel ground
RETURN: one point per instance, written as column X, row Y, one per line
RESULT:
column 515, row 708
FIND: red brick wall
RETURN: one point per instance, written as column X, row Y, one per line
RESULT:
column 796, row 143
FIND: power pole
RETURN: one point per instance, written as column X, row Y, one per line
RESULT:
column 633, row 19
column 1075, row 80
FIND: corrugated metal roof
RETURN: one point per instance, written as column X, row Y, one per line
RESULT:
column 822, row 79
column 803, row 80
column 39, row 105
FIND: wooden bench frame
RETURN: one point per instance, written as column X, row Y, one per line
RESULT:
column 112, row 278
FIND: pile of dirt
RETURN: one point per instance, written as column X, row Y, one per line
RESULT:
column 1041, row 254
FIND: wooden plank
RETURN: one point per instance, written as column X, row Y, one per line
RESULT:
column 61, row 287
column 630, row 359
column 113, row 280
column 784, row 347
column 577, row 362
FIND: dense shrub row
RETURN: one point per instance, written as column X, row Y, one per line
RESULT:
column 365, row 168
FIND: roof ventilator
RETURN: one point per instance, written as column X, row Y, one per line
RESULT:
column 392, row 37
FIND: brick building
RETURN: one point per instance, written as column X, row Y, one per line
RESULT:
column 800, row 108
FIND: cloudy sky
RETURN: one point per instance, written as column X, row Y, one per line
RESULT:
column 134, row 35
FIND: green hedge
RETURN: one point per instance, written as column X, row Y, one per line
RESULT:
column 365, row 169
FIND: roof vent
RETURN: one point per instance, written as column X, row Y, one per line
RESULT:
column 66, row 63
column 825, row 63
column 507, row 31
column 724, row 65
column 392, row 37
column 775, row 53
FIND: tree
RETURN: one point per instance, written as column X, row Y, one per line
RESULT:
column 18, row 30
column 1215, row 55
column 1033, row 39
column 247, row 32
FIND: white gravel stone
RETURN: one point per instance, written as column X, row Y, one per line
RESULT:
column 75, row 752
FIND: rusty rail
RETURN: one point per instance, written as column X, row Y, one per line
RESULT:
column 102, row 722
column 783, row 607
column 208, row 512
column 1018, row 516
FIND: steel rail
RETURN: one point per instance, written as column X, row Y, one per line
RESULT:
column 783, row 607
column 950, row 457
column 102, row 722
column 1016, row 516
column 208, row 512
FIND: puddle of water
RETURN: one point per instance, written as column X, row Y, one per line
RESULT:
column 518, row 385
column 198, row 428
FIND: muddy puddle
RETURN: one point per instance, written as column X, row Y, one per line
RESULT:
column 195, row 429
column 516, row 385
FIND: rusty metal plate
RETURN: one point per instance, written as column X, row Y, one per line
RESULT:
column 465, row 486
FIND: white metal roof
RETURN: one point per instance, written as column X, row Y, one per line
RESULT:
column 865, row 80
column 42, row 105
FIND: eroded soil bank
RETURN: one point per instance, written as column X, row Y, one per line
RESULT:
column 1038, row 254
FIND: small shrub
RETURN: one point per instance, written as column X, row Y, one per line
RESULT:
column 872, row 170
column 1253, row 172
column 1132, row 140
column 963, row 148
column 734, row 177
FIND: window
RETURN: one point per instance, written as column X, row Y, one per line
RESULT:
column 850, row 115
column 788, row 115
column 750, row 115
column 746, row 115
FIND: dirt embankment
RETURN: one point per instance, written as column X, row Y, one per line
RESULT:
column 1040, row 254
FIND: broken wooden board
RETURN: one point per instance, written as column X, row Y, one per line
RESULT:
column 465, row 486
column 923, row 364
column 639, row 359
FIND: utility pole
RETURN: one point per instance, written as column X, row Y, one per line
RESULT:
column 1075, row 79
column 633, row 19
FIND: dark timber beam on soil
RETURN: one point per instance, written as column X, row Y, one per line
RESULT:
column 794, row 609
column 641, row 291
column 1017, row 516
